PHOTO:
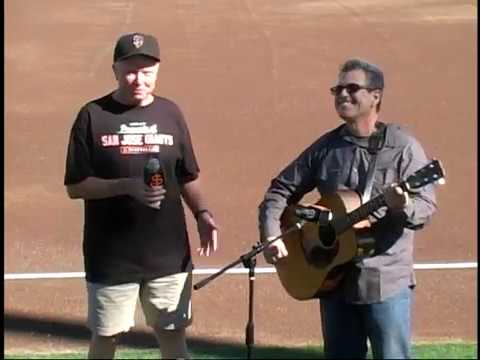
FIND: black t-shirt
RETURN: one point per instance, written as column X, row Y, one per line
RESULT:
column 124, row 240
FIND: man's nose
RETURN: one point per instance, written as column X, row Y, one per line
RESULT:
column 343, row 92
column 139, row 78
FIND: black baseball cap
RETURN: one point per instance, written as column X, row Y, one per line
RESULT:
column 136, row 44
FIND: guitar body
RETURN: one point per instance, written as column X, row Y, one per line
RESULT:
column 317, row 254
column 300, row 278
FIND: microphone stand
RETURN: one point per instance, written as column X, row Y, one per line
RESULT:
column 249, row 261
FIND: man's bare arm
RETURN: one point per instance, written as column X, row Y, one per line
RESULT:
column 93, row 188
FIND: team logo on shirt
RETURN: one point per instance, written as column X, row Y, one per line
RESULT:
column 137, row 138
column 138, row 128
column 157, row 180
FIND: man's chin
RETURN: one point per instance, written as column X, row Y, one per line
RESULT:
column 139, row 97
column 345, row 117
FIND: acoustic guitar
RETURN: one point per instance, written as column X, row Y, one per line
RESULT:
column 318, row 254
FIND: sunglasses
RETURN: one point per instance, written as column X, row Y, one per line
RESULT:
column 351, row 89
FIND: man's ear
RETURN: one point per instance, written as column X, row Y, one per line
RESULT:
column 377, row 95
column 114, row 72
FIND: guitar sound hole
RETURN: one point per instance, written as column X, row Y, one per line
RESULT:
column 323, row 254
column 327, row 235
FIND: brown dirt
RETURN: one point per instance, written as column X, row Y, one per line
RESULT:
column 252, row 78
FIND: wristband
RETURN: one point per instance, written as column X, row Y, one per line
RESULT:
column 199, row 212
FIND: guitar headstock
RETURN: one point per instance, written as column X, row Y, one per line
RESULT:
column 430, row 173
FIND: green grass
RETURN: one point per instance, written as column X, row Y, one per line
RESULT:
column 440, row 350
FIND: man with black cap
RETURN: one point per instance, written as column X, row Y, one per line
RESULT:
column 135, row 242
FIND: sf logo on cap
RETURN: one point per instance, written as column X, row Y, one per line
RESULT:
column 137, row 41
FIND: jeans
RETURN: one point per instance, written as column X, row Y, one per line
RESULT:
column 346, row 327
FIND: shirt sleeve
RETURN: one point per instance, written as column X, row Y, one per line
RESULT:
column 78, row 163
column 186, row 168
column 422, row 204
column 287, row 188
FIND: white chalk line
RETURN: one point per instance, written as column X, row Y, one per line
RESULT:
column 235, row 270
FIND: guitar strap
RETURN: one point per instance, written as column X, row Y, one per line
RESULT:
column 366, row 242
column 375, row 144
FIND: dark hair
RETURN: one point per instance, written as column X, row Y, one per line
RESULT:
column 373, row 73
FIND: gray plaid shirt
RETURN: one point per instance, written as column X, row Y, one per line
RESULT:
column 339, row 160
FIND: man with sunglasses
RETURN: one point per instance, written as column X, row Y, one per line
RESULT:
column 373, row 301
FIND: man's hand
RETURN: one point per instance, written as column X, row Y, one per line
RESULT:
column 149, row 196
column 207, row 230
column 396, row 198
column 275, row 251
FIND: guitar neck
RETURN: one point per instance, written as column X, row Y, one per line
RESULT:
column 345, row 222
column 430, row 173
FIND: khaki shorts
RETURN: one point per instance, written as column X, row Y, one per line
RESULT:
column 166, row 304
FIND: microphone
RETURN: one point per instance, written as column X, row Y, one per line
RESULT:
column 153, row 173
column 313, row 214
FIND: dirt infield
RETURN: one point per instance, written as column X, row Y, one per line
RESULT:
column 252, row 78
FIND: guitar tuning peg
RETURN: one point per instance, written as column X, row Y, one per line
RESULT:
column 441, row 181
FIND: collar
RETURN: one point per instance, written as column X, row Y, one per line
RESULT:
column 361, row 141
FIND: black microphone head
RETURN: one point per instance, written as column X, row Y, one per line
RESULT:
column 153, row 174
column 153, row 165
column 306, row 213
column 313, row 214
